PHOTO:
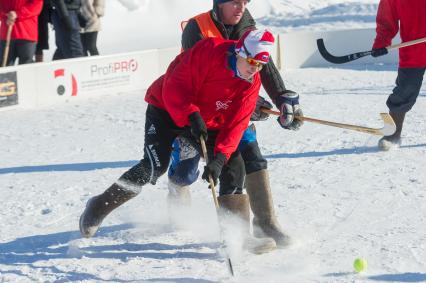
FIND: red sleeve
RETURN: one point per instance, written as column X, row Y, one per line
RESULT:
column 386, row 23
column 31, row 9
column 237, row 120
column 181, row 85
column 3, row 15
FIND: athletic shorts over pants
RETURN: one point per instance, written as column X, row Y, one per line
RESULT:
column 160, row 132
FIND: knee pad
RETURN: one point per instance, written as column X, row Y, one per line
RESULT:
column 185, row 172
column 183, row 169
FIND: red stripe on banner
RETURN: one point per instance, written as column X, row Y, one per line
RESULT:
column 74, row 86
column 59, row 73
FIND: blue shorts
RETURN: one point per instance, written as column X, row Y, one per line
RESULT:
column 183, row 169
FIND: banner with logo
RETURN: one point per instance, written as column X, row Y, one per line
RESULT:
column 62, row 80
column 8, row 89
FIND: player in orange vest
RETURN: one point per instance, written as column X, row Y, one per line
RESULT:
column 229, row 19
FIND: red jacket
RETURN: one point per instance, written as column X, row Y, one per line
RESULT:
column 200, row 80
column 410, row 15
column 26, row 24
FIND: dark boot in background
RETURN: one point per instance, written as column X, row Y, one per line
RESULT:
column 238, row 205
column 388, row 142
column 39, row 58
column 265, row 222
column 98, row 207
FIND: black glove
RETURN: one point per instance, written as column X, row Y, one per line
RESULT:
column 376, row 52
column 288, row 104
column 67, row 23
column 258, row 115
column 82, row 21
column 198, row 127
column 214, row 168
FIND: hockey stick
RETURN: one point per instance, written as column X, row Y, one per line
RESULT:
column 388, row 129
column 351, row 57
column 216, row 203
column 6, row 47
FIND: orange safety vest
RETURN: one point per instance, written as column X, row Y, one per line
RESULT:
column 206, row 25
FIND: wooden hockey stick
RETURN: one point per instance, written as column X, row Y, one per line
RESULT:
column 6, row 47
column 351, row 57
column 388, row 129
column 216, row 203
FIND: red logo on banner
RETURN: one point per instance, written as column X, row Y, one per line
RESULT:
column 61, row 89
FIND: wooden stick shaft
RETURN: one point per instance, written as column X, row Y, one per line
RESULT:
column 6, row 47
column 405, row 44
column 328, row 123
column 211, row 182
column 216, row 203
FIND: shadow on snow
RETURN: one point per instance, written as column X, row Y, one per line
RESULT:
column 402, row 277
column 69, row 167
column 28, row 250
column 127, row 164
column 64, row 275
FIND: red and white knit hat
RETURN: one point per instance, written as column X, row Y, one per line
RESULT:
column 256, row 44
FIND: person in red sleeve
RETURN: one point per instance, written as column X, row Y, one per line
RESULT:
column 209, row 91
column 409, row 18
column 22, row 15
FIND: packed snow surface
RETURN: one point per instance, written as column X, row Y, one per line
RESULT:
column 335, row 194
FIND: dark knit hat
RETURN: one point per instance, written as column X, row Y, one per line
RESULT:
column 222, row 1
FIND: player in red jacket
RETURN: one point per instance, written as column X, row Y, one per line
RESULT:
column 22, row 15
column 209, row 91
column 409, row 18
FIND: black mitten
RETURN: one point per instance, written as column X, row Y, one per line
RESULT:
column 288, row 103
column 214, row 168
column 258, row 115
column 198, row 127
column 376, row 52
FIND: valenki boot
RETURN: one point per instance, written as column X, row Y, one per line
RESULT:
column 388, row 142
column 265, row 222
column 238, row 206
column 178, row 203
column 98, row 207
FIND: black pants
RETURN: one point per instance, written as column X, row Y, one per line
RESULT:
column 43, row 30
column 408, row 84
column 160, row 131
column 88, row 39
column 68, row 41
column 20, row 49
column 250, row 151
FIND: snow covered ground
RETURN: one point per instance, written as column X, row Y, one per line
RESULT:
column 335, row 193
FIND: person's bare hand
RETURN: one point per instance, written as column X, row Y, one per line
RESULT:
column 11, row 18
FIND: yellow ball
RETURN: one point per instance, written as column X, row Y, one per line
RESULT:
column 360, row 264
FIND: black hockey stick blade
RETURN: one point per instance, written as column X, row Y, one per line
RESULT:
column 339, row 59
column 231, row 269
